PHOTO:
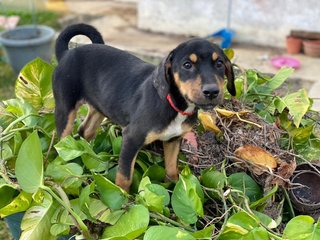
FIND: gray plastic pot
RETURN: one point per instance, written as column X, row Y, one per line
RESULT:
column 25, row 43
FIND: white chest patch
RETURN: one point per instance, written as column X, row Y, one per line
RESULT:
column 176, row 128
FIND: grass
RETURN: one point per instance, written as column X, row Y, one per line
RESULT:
column 43, row 18
column 7, row 76
column 7, row 80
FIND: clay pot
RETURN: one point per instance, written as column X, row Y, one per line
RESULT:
column 312, row 48
column 306, row 198
column 294, row 45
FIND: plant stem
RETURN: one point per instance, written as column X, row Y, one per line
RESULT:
column 18, row 120
column 289, row 202
column 64, row 198
column 226, row 214
column 164, row 218
column 83, row 228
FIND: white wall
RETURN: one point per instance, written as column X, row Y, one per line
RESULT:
column 264, row 22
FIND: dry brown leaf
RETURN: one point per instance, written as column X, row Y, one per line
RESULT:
column 209, row 122
column 284, row 171
column 228, row 113
column 256, row 155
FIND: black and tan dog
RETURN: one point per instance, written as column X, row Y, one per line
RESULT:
column 149, row 102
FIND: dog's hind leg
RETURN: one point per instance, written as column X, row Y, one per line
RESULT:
column 131, row 144
column 89, row 126
column 65, row 116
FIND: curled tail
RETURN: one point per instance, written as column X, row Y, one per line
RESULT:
column 73, row 30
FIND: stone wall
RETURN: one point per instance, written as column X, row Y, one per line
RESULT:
column 263, row 22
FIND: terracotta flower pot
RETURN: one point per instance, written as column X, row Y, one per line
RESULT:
column 312, row 48
column 294, row 45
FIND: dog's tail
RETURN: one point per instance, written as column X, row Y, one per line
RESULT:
column 73, row 30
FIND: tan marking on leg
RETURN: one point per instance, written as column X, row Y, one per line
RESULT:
column 171, row 151
column 122, row 181
column 151, row 137
column 193, row 57
column 91, row 123
column 215, row 56
column 68, row 129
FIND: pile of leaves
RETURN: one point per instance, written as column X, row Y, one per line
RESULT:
column 66, row 187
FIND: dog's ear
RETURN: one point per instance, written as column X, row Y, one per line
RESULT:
column 162, row 77
column 230, row 76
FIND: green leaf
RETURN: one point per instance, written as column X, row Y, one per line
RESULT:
column 29, row 164
column 279, row 104
column 68, row 148
column 60, row 172
column 309, row 150
column 229, row 52
column 205, row 233
column 260, row 203
column 22, row 109
column 187, row 198
column 244, row 227
column 298, row 104
column 84, row 198
column 164, row 232
column 276, row 81
column 59, row 229
column 266, row 220
column 302, row 228
column 36, row 223
column 116, row 145
column 210, row 178
column 19, row 204
column 34, row 84
column 301, row 135
column 101, row 212
column 155, row 173
column 155, row 196
column 7, row 193
column 130, row 225
column 244, row 183
column 111, row 195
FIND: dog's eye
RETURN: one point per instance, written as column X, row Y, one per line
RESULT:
column 187, row 65
column 219, row 63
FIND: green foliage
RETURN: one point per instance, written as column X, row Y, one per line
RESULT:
column 30, row 161
column 34, row 85
column 302, row 228
column 164, row 232
column 68, row 185
column 36, row 221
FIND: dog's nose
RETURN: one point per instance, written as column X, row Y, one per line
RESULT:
column 210, row 91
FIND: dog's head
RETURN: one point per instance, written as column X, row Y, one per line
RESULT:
column 197, row 68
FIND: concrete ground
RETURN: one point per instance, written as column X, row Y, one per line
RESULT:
column 117, row 21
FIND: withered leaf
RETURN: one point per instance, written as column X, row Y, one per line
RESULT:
column 256, row 155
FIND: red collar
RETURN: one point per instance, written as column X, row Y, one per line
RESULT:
column 177, row 109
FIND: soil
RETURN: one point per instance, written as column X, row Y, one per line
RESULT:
column 213, row 150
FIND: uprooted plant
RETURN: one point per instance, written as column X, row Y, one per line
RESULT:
column 65, row 187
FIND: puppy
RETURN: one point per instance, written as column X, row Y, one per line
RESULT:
column 149, row 102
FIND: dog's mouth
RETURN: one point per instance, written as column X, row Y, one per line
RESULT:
column 204, row 106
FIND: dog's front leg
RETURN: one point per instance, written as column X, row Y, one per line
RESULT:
column 171, row 150
column 129, row 150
